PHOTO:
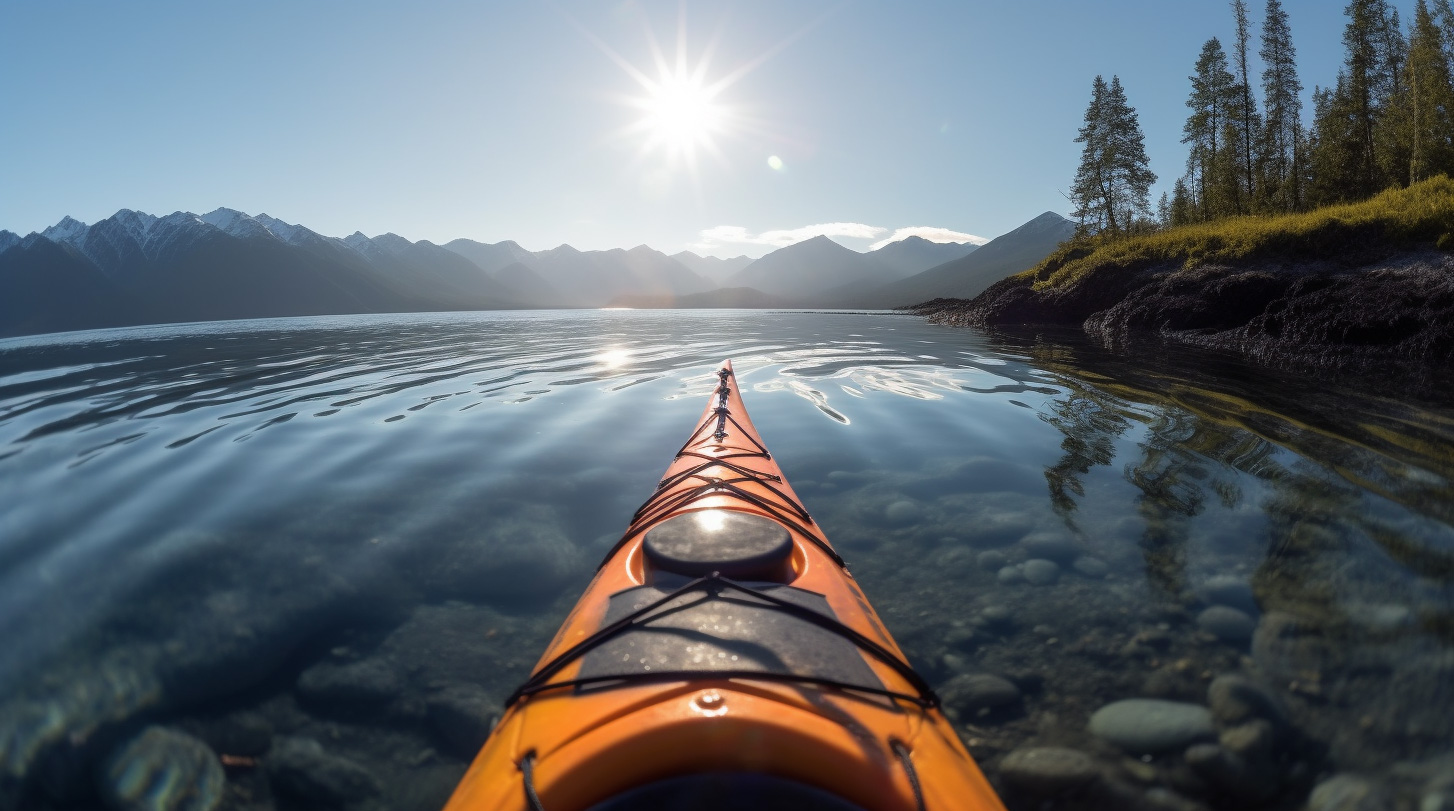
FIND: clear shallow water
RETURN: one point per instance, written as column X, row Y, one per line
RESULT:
column 361, row 531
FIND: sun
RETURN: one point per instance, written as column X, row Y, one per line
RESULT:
column 681, row 113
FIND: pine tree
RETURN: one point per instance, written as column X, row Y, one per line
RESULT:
column 1281, row 98
column 1350, row 115
column 1113, row 183
column 1392, row 142
column 1427, row 100
column 1246, row 118
column 1181, row 204
column 1213, row 95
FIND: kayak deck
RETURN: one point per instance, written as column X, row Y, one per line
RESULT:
column 723, row 635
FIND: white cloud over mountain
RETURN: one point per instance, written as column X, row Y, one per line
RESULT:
column 723, row 236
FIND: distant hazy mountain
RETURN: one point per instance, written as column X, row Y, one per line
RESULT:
column 804, row 270
column 743, row 298
column 135, row 268
column 527, row 286
column 491, row 258
column 966, row 277
column 711, row 268
column 911, row 255
column 594, row 278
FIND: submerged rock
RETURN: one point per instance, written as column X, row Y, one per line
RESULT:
column 1151, row 726
column 301, row 767
column 162, row 770
column 1041, row 572
column 1094, row 568
column 1048, row 770
column 972, row 692
column 1346, row 792
column 367, row 683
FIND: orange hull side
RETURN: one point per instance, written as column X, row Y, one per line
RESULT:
column 591, row 746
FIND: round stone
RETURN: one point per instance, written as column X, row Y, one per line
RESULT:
column 1010, row 575
column 736, row 544
column 1227, row 624
column 1048, row 770
column 971, row 692
column 1149, row 726
column 1094, row 568
column 902, row 512
column 1041, row 572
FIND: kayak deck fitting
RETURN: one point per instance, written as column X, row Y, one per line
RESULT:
column 723, row 657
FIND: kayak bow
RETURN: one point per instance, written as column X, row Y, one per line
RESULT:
column 723, row 656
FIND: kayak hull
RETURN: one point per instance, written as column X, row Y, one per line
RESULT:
column 577, row 745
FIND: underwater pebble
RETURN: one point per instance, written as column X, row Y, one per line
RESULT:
column 1010, row 575
column 1149, row 725
column 971, row 692
column 1048, row 770
column 1228, row 590
column 992, row 560
column 903, row 512
column 301, row 767
column 1094, row 568
column 1346, row 792
column 1041, row 572
column 1227, row 624
column 996, row 615
column 1050, row 546
column 162, row 770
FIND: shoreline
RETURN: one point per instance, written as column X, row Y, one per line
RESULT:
column 1386, row 318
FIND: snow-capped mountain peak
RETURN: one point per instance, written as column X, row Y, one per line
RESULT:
column 67, row 230
column 237, row 224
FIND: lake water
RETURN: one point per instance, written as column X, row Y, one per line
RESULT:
column 329, row 547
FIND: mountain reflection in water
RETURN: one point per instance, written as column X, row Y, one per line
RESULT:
column 359, row 532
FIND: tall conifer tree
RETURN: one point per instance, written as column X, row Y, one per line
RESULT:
column 1247, row 123
column 1282, row 101
column 1113, row 183
column 1426, row 103
column 1213, row 96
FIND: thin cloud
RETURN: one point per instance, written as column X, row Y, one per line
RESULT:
column 737, row 235
column 930, row 233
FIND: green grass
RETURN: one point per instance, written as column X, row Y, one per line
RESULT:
column 1422, row 214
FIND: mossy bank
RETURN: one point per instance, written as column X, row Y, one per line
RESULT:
column 1361, row 288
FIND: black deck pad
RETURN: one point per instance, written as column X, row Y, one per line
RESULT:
column 730, row 630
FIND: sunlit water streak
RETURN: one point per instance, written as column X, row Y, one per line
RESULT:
column 193, row 511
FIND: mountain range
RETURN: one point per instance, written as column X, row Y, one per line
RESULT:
column 136, row 268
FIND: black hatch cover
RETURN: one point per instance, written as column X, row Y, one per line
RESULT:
column 701, row 631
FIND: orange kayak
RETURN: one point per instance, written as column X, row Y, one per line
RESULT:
column 723, row 657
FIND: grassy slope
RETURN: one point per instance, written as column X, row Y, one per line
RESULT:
column 1415, row 216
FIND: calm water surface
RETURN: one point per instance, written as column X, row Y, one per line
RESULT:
column 330, row 546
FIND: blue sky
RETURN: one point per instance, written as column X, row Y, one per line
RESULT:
column 520, row 120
